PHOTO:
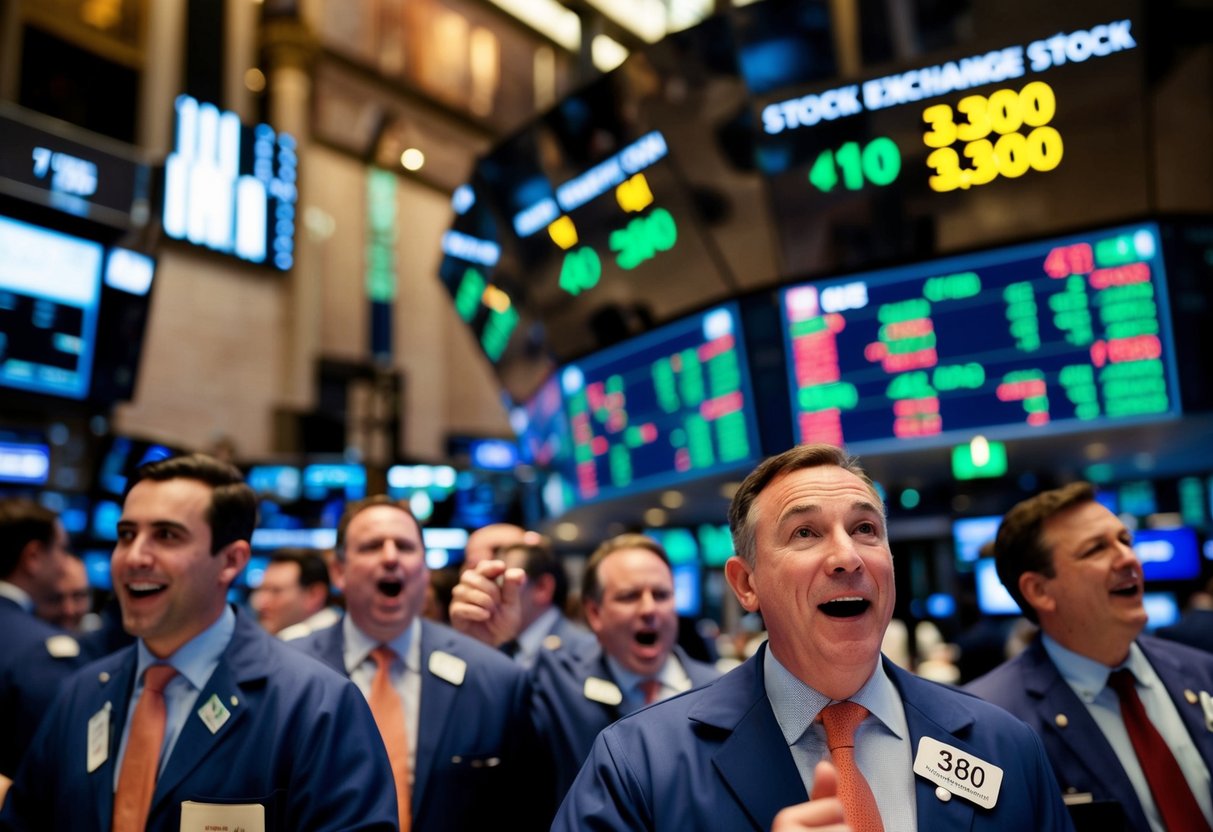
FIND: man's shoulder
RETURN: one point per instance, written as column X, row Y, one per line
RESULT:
column 1005, row 683
column 479, row 657
column 1176, row 657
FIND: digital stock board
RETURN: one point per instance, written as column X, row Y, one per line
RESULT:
column 1058, row 334
column 672, row 404
column 1033, row 129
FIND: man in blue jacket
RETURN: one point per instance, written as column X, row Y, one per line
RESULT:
column 748, row 751
column 627, row 592
column 454, row 711
column 1070, row 564
column 250, row 732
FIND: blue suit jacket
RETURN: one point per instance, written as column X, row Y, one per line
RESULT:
column 1030, row 687
column 29, row 679
column 1195, row 629
column 476, row 747
column 714, row 758
column 567, row 720
column 300, row 740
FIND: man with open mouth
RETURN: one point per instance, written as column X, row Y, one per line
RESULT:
column 454, row 713
column 1069, row 563
column 815, row 713
column 206, row 715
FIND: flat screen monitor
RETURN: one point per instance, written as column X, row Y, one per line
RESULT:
column 428, row 489
column 688, row 594
column 282, row 482
column 1060, row 335
column 97, row 566
column 670, row 404
column 1168, row 554
column 969, row 534
column 992, row 596
column 24, row 463
column 1162, row 609
column 443, row 547
column 122, row 457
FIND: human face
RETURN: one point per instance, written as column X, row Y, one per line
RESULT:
column 280, row 600
column 822, row 576
column 70, row 599
column 1093, row 602
column 383, row 573
column 635, row 621
column 168, row 583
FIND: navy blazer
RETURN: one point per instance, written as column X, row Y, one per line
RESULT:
column 30, row 676
column 476, row 751
column 715, row 758
column 1195, row 629
column 300, row 740
column 567, row 719
column 1030, row 687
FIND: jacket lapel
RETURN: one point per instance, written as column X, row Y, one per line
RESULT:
column 740, row 708
column 1179, row 682
column 438, row 698
column 115, row 693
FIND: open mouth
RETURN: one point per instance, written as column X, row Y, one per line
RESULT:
column 391, row 587
column 1126, row 591
column 845, row 607
column 144, row 590
column 646, row 638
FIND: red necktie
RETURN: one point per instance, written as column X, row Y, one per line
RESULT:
column 651, row 688
column 1174, row 798
column 137, row 779
column 389, row 716
column 858, row 803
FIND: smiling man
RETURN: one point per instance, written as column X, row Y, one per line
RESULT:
column 453, row 712
column 207, row 721
column 747, row 751
column 1091, row 685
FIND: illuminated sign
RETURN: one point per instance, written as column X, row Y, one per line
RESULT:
column 40, row 162
column 24, row 463
column 231, row 188
column 952, row 76
column 1050, row 335
column 669, row 404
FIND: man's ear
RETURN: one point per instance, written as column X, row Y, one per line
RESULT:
column 593, row 614
column 740, row 576
column 235, row 557
column 1035, row 590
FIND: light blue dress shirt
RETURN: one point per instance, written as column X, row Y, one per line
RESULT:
column 194, row 662
column 405, row 673
column 1089, row 681
column 673, row 678
column 882, row 741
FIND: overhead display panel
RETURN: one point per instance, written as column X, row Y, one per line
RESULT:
column 673, row 404
column 1058, row 335
column 1032, row 127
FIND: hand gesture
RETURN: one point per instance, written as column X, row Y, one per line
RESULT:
column 822, row 811
column 485, row 604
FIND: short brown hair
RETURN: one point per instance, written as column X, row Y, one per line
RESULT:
column 22, row 520
column 742, row 523
column 1019, row 546
column 232, row 514
column 358, row 506
column 590, row 586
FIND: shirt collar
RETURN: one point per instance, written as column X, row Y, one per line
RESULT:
column 358, row 645
column 1088, row 677
column 671, row 674
column 796, row 705
column 197, row 658
column 17, row 595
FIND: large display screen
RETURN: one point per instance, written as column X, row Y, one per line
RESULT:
column 1059, row 334
column 671, row 404
column 1032, row 125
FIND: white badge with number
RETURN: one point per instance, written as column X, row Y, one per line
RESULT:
column 213, row 714
column 98, row 738
column 958, row 771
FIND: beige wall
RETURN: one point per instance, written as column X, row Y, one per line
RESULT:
column 214, row 363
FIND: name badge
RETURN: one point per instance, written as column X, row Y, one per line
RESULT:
column 958, row 771
column 98, row 739
column 447, row 667
column 600, row 690
column 213, row 714
column 222, row 817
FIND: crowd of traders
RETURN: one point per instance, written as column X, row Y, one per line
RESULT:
column 183, row 711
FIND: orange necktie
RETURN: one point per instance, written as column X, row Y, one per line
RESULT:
column 389, row 716
column 858, row 804
column 137, row 779
column 651, row 689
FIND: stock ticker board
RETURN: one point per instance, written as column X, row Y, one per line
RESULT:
column 672, row 403
column 1034, row 338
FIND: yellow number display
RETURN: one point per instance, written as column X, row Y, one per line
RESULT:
column 991, row 137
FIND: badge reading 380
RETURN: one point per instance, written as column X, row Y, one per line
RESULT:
column 958, row 771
